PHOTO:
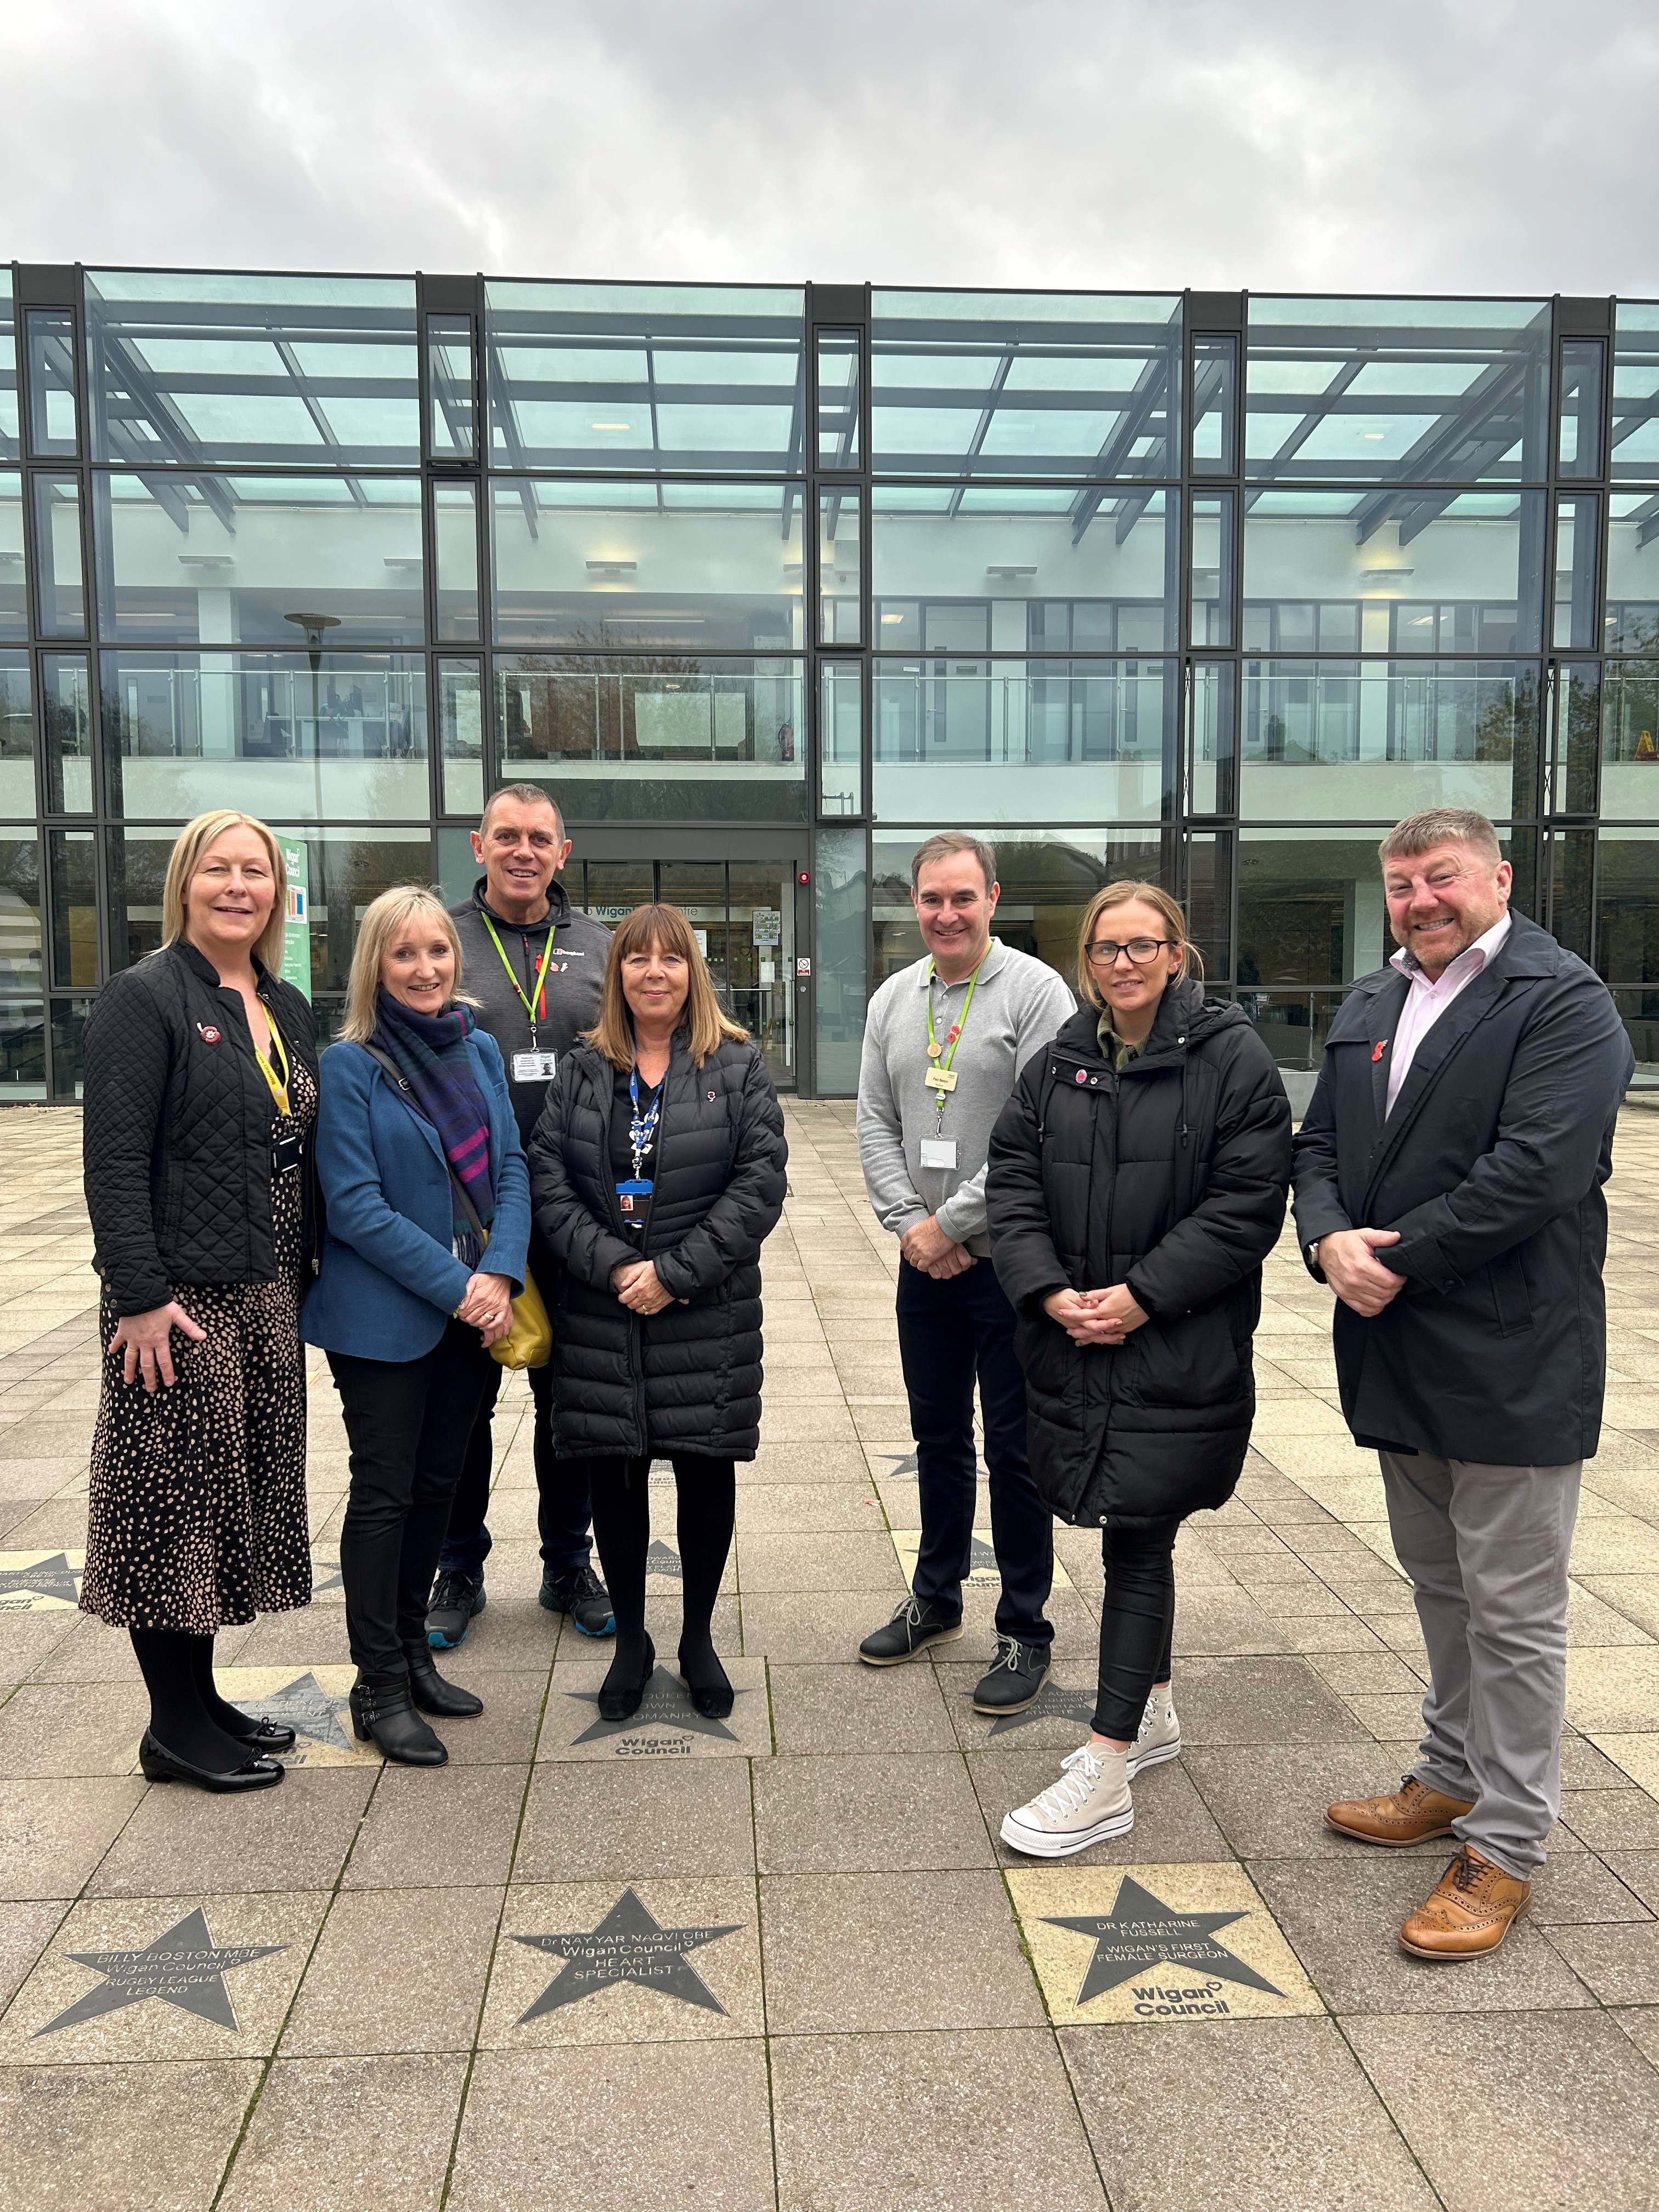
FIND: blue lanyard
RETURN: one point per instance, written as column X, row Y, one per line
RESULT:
column 641, row 1130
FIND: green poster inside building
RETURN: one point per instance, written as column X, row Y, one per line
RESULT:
column 297, row 943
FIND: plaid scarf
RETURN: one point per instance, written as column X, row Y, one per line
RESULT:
column 431, row 1051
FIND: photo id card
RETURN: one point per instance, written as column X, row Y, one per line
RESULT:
column 534, row 1066
column 938, row 1151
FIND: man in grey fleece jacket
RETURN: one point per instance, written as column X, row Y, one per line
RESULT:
column 944, row 1042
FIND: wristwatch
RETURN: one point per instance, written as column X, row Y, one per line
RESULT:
column 1310, row 1251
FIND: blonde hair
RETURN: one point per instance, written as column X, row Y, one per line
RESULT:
column 1120, row 894
column 382, row 919
column 706, row 1024
column 185, row 858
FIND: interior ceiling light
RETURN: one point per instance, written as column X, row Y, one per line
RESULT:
column 1011, row 572
column 612, row 567
column 610, row 426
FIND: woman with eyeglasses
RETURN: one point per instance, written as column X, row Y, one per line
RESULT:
column 1136, row 1184
column 656, row 1173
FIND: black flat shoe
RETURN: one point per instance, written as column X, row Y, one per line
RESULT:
column 264, row 1738
column 707, row 1682
column 432, row 1693
column 157, row 1764
column 620, row 1698
column 383, row 1713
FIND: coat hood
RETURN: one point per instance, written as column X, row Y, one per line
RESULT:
column 1185, row 1017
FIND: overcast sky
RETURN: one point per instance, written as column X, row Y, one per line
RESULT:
column 1485, row 145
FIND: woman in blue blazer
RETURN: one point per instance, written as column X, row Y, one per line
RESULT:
column 420, row 1169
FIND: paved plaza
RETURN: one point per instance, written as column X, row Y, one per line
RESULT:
column 783, row 1962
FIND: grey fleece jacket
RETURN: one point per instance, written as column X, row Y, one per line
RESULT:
column 1019, row 1006
column 571, row 990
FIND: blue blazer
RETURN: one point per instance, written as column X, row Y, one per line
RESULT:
column 388, row 1281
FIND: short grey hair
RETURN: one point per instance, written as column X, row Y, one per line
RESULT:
column 527, row 795
column 1440, row 825
column 942, row 847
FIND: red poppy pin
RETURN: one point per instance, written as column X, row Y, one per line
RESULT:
column 711, row 1098
column 210, row 1035
column 1081, row 1076
column 1382, row 1048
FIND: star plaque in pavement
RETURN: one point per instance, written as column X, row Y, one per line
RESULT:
column 184, row 1968
column 627, row 1945
column 665, row 1704
column 660, row 1560
column 1051, row 1703
column 52, row 1577
column 1140, row 1932
column 306, row 1706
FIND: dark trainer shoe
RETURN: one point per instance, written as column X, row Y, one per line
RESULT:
column 456, row 1598
column 917, row 1623
column 584, row 1597
column 1016, row 1674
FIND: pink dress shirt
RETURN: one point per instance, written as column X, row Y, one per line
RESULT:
column 1425, row 1001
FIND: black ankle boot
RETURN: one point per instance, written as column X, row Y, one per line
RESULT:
column 622, row 1690
column 707, row 1681
column 432, row 1693
column 383, row 1712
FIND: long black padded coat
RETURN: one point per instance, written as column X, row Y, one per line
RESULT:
column 1169, row 1177
column 687, row 1379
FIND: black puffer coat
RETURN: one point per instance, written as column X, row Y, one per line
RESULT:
column 1171, row 1178
column 687, row 1379
column 176, row 1128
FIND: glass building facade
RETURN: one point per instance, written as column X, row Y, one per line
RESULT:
column 767, row 584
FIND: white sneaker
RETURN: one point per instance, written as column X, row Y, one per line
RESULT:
column 1089, row 1803
column 1159, row 1736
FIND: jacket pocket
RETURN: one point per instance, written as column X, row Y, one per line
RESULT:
column 1190, row 1359
column 1512, row 1300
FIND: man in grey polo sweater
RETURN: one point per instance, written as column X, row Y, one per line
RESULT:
column 943, row 1041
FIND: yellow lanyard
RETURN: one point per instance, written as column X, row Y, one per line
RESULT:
column 940, row 1078
column 529, row 1004
column 278, row 1085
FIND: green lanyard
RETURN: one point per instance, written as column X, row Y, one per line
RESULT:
column 529, row 1004
column 939, row 1078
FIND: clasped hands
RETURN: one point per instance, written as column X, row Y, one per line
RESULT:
column 637, row 1284
column 486, row 1306
column 926, row 1246
column 1096, row 1317
column 1348, row 1259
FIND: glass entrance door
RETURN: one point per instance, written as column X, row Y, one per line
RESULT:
column 744, row 912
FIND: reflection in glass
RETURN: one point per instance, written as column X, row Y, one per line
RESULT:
column 1047, row 877
column 1393, row 571
column 20, row 911
column 752, row 953
column 1628, row 913
column 839, row 594
column 1630, row 743
column 1211, row 554
column 54, row 425
column 1020, row 567
column 1210, row 901
column 1215, row 405
column 1636, row 391
column 842, row 980
column 289, row 737
column 59, row 592
column 66, row 717
column 452, row 427
column 9, row 425
column 1213, row 754
column 14, row 595
column 620, row 568
column 841, row 739
column 838, row 400
column 73, row 906
column 1580, row 450
column 1383, row 739
column 1398, row 391
column 279, row 561
column 455, row 552
column 22, row 1049
column 1310, row 911
column 989, row 383
column 1571, row 875
column 193, row 367
column 1578, row 539
column 661, row 737
column 646, row 376
column 1575, row 738
column 68, row 1028
column 1632, row 622
column 460, row 726
column 17, row 735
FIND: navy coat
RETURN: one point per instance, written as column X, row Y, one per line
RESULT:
column 1491, row 1167
column 388, row 1281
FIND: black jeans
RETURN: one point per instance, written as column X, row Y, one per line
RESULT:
column 950, row 1333
column 407, row 1422
column 1137, row 1621
column 563, row 1510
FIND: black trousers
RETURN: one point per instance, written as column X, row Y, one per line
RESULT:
column 1137, row 1621
column 563, row 1509
column 407, row 1422
column 705, row 1508
column 951, row 1334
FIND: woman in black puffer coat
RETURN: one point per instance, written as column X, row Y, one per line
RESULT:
column 656, row 1173
column 1137, row 1183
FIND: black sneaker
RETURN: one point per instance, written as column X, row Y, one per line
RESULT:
column 917, row 1623
column 584, row 1597
column 1016, row 1674
column 455, row 1597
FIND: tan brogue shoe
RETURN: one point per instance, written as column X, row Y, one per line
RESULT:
column 1468, row 1912
column 1412, row 1815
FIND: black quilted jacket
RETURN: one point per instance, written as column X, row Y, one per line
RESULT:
column 176, row 1136
column 687, row 1379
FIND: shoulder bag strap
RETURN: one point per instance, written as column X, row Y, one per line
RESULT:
column 390, row 1067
